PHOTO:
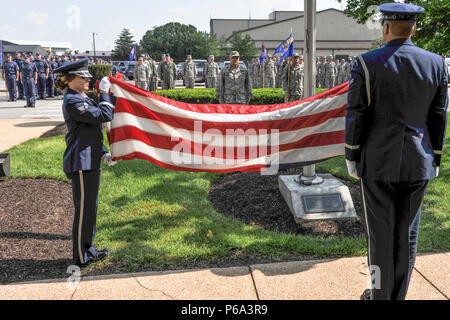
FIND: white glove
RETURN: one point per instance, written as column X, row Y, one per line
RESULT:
column 105, row 85
column 437, row 172
column 351, row 166
column 107, row 158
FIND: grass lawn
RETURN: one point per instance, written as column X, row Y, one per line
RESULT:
column 156, row 218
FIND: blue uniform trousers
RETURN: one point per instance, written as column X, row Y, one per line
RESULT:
column 20, row 92
column 85, row 186
column 11, row 84
column 50, row 85
column 391, row 218
column 41, row 85
column 29, row 90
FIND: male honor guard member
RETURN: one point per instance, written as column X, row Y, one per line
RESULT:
column 43, row 72
column 11, row 74
column 395, row 127
column 84, row 152
column 19, row 61
column 28, row 77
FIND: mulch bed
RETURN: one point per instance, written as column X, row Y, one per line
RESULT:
column 255, row 200
column 36, row 217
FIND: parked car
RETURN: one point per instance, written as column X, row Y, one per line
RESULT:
column 180, row 70
column 129, row 73
column 200, row 66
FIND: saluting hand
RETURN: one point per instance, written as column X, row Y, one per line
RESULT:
column 105, row 85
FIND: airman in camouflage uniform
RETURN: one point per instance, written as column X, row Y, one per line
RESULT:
column 348, row 68
column 141, row 74
column 330, row 73
column 319, row 68
column 270, row 72
column 211, row 72
column 163, row 60
column 189, row 73
column 292, row 78
column 152, row 81
column 278, row 77
column 168, row 73
column 340, row 72
column 234, row 85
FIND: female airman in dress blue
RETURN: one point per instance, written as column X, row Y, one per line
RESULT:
column 84, row 153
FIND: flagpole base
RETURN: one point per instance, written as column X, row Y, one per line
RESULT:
column 309, row 181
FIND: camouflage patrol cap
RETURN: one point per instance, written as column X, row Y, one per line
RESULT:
column 296, row 55
column 211, row 56
column 189, row 57
column 234, row 54
column 269, row 56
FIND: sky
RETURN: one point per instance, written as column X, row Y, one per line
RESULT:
column 76, row 21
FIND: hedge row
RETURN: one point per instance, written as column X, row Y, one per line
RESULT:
column 99, row 71
column 208, row 96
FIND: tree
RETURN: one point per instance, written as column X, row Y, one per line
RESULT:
column 377, row 43
column 433, row 31
column 179, row 40
column 123, row 47
column 244, row 45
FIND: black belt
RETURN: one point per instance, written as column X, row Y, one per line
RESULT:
column 28, row 77
column 41, row 72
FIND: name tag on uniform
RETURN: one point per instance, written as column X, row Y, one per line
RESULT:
column 83, row 107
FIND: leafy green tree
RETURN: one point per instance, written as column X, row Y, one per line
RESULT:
column 123, row 47
column 179, row 40
column 376, row 43
column 244, row 45
column 433, row 29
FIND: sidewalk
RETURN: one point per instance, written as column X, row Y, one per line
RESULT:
column 14, row 132
column 337, row 279
column 340, row 279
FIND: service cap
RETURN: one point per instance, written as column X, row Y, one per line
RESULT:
column 400, row 11
column 79, row 68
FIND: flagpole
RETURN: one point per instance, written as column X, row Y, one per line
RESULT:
column 309, row 176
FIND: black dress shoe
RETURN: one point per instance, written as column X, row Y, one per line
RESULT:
column 32, row 106
column 26, row 106
column 101, row 254
column 366, row 294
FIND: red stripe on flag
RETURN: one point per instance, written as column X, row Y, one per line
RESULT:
column 164, row 142
column 284, row 125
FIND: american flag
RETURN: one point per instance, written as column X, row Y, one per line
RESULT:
column 226, row 138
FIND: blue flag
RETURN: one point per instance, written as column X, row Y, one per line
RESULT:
column 133, row 54
column 286, row 48
column 1, row 54
column 288, row 53
column 263, row 56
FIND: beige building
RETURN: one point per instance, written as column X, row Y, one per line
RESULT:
column 336, row 33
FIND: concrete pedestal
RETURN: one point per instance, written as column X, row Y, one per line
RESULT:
column 329, row 200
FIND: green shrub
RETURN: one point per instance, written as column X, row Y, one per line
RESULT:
column 99, row 71
column 208, row 96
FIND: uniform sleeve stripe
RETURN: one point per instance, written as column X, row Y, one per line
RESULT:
column 352, row 147
column 107, row 103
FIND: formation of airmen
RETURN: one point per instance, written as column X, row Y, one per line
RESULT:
column 289, row 74
column 30, row 76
